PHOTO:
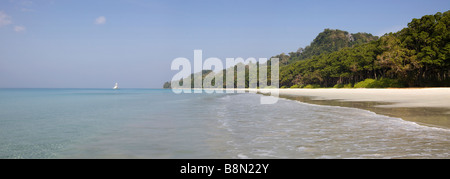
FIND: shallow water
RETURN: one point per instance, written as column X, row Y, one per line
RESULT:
column 126, row 123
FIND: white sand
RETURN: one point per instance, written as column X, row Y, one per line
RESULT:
column 407, row 97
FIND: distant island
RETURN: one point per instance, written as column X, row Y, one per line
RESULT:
column 416, row 56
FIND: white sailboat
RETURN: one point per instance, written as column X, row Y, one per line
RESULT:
column 116, row 86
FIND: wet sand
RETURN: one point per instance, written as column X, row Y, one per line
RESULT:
column 425, row 106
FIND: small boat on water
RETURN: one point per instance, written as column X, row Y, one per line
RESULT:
column 116, row 86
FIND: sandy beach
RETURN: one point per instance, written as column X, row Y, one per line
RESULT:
column 426, row 106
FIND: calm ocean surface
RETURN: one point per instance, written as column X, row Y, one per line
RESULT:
column 127, row 123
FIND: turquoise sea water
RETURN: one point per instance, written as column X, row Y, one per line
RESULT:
column 153, row 123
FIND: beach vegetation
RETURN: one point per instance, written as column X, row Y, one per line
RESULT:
column 338, row 86
column 295, row 86
column 312, row 86
column 416, row 56
column 350, row 85
column 379, row 83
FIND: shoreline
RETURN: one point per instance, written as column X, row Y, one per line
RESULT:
column 424, row 106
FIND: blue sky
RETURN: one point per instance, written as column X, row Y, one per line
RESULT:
column 95, row 43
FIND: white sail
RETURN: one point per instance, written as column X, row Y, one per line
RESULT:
column 116, row 86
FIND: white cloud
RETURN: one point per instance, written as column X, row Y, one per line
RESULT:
column 4, row 19
column 19, row 28
column 100, row 20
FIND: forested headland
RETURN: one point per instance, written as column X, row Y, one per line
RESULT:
column 416, row 56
